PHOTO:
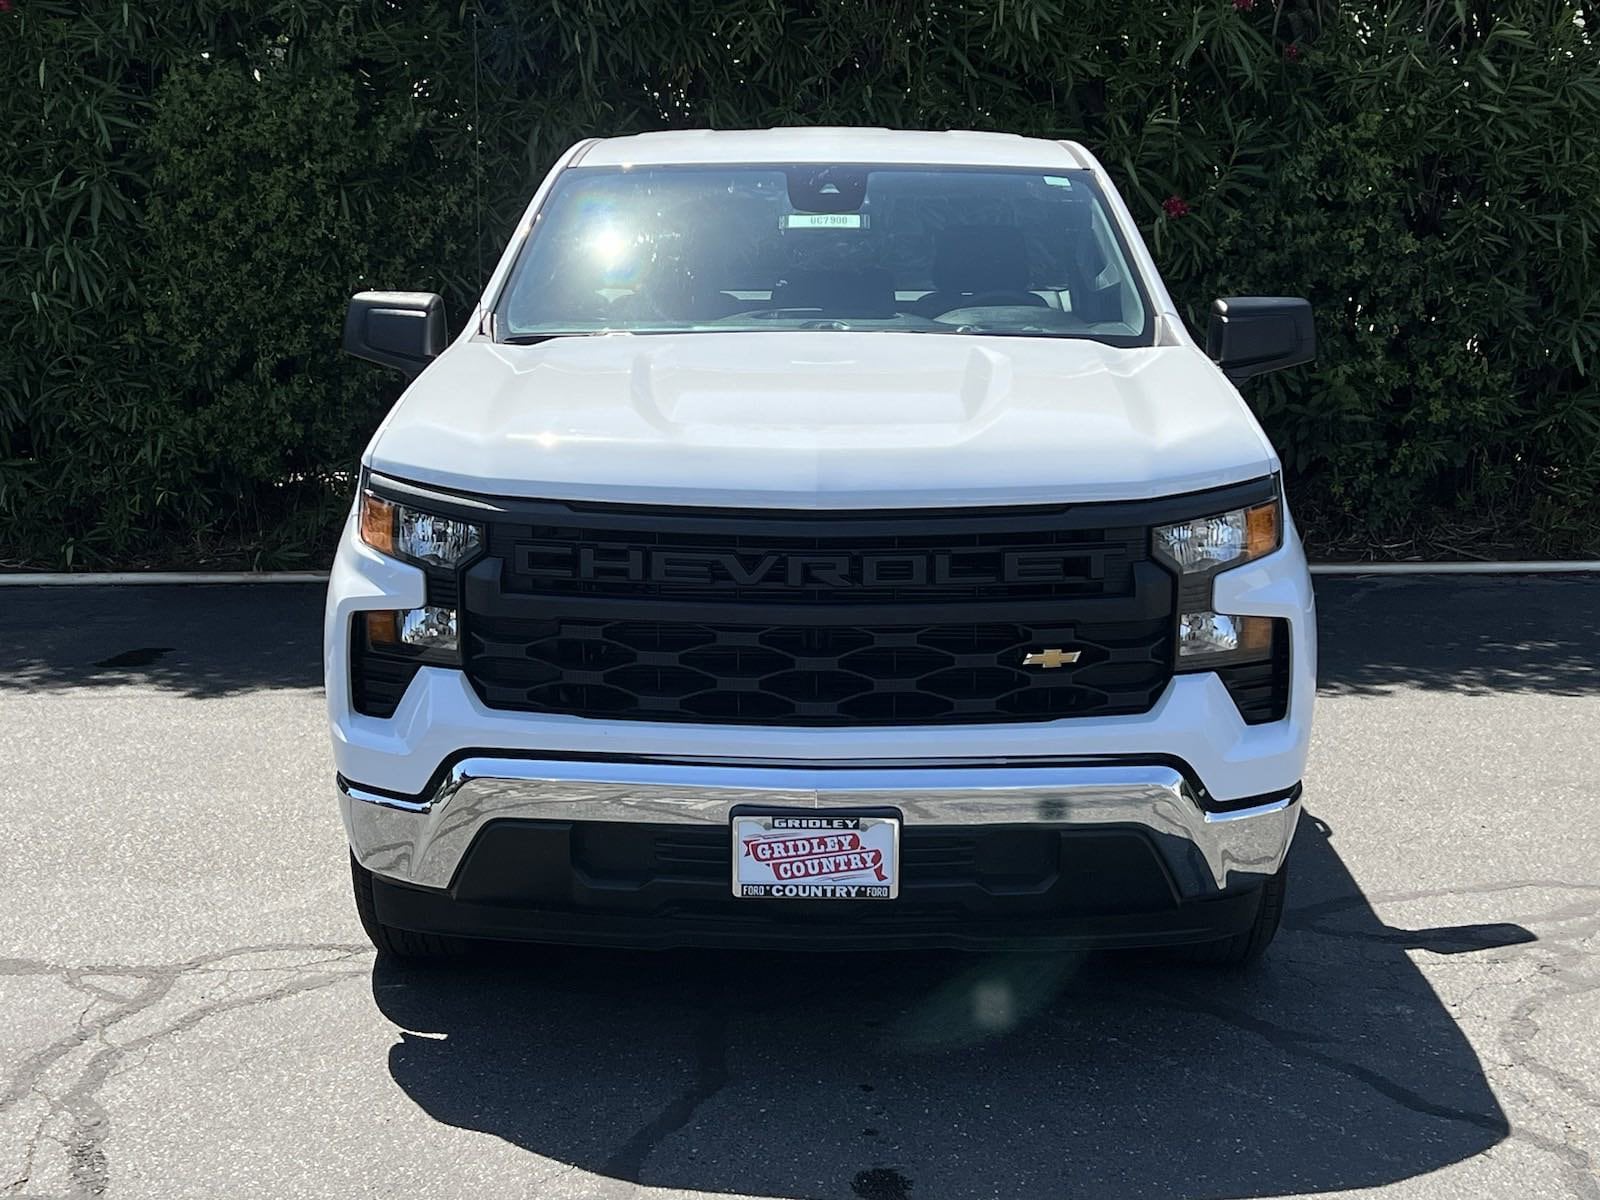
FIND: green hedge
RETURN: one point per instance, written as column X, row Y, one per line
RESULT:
column 192, row 190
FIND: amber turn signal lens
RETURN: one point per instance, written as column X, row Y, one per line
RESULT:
column 383, row 628
column 1262, row 534
column 1255, row 633
column 377, row 523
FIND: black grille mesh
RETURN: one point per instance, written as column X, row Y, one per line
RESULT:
column 813, row 675
column 804, row 618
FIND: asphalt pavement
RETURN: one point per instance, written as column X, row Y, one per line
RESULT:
column 188, row 1007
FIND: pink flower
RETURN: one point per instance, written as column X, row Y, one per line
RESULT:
column 1175, row 207
column 1244, row 5
column 1291, row 52
column 6, row 6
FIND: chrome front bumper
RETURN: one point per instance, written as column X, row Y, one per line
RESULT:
column 421, row 840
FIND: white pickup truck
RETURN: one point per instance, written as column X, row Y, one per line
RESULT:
column 822, row 537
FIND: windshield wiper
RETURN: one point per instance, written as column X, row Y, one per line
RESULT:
column 975, row 329
column 533, row 339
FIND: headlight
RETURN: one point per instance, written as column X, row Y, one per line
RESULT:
column 1209, row 633
column 429, row 629
column 1228, row 539
column 415, row 536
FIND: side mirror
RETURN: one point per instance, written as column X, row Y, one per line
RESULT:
column 403, row 330
column 1250, row 335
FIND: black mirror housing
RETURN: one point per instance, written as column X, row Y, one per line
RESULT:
column 403, row 330
column 1250, row 335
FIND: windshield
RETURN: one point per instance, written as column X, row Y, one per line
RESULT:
column 921, row 249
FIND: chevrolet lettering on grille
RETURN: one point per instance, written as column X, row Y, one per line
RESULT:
column 774, row 569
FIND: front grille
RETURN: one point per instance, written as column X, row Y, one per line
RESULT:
column 848, row 618
column 793, row 674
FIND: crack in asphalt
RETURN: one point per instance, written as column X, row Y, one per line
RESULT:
column 1306, row 916
column 90, row 1171
column 88, row 1123
column 1516, row 1032
column 710, row 1076
column 1292, row 1041
column 1521, row 1027
column 1577, row 1164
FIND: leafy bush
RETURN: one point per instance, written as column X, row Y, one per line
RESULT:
column 192, row 191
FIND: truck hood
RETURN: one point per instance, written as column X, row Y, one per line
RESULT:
column 821, row 420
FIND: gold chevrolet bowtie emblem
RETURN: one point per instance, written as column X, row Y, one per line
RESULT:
column 1051, row 658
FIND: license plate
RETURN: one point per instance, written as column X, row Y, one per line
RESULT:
column 807, row 854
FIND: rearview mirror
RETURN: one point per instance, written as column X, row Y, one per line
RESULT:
column 403, row 330
column 1250, row 335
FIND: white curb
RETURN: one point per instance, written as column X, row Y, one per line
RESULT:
column 1456, row 568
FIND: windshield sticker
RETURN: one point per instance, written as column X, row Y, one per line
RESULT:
column 1058, row 181
column 823, row 221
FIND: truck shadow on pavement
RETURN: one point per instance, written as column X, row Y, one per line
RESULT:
column 933, row 1076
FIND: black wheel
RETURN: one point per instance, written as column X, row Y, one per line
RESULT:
column 1245, row 948
column 397, row 943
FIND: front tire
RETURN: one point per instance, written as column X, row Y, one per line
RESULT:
column 398, row 943
column 1244, row 949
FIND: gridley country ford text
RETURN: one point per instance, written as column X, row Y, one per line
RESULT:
column 815, row 856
